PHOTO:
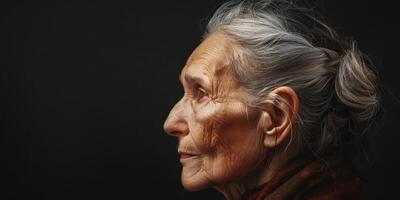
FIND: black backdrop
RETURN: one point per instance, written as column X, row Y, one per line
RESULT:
column 86, row 86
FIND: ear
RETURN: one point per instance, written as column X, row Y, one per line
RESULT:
column 278, row 115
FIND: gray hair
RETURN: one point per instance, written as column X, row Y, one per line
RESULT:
column 282, row 44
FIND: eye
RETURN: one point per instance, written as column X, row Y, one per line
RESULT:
column 201, row 95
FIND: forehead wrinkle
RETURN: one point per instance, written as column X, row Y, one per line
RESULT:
column 194, row 75
column 213, row 53
column 214, row 68
column 212, row 59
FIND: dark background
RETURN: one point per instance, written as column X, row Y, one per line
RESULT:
column 85, row 87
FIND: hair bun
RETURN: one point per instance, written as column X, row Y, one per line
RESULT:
column 356, row 85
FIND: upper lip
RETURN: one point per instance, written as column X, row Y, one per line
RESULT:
column 185, row 152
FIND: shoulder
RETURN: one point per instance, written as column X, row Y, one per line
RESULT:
column 329, row 178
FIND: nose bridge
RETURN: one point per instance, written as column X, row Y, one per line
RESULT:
column 176, row 122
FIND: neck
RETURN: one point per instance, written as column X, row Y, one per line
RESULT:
column 259, row 176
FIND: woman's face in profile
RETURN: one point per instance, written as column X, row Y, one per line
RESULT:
column 218, row 137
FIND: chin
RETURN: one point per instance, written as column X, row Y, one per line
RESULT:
column 194, row 187
column 195, row 183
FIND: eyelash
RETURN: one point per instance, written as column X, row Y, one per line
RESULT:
column 201, row 94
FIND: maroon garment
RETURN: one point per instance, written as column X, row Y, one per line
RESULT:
column 327, row 179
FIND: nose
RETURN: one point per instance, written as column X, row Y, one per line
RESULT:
column 176, row 124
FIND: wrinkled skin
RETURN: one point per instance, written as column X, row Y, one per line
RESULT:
column 212, row 121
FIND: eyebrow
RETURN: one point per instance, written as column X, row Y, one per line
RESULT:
column 192, row 79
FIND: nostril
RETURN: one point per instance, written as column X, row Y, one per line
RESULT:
column 176, row 129
column 174, row 133
column 170, row 129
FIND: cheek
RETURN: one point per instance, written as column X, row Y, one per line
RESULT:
column 242, row 147
column 207, row 120
column 229, row 139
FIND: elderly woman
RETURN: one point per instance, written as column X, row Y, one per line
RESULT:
column 273, row 102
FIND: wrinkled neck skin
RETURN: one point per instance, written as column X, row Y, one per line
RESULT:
column 259, row 176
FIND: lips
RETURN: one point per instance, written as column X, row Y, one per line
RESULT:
column 186, row 155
